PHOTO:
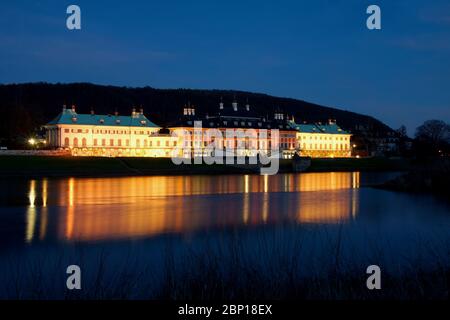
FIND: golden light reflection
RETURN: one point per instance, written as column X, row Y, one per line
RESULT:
column 131, row 207
column 44, row 192
column 335, row 207
column 32, row 193
column 265, row 207
column 70, row 209
column 44, row 211
column 31, row 212
column 246, row 208
column 43, row 223
column 246, row 187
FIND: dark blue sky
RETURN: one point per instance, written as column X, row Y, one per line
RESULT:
column 319, row 51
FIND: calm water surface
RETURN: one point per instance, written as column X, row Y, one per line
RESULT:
column 47, row 218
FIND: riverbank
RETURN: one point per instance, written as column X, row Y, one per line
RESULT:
column 68, row 166
column 431, row 176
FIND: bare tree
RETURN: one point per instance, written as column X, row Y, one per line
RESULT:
column 435, row 132
column 402, row 132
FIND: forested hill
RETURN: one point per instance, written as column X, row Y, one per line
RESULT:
column 25, row 107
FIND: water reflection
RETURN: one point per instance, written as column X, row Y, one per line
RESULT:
column 114, row 208
column 31, row 212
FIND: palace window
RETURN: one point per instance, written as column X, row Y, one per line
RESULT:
column 66, row 130
column 66, row 142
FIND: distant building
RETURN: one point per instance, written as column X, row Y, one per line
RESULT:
column 137, row 136
column 323, row 140
column 375, row 141
column 232, row 118
column 103, row 135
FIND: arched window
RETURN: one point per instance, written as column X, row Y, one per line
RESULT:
column 75, row 142
column 138, row 143
column 83, row 142
column 66, row 142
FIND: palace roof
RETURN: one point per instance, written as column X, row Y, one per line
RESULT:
column 330, row 128
column 69, row 116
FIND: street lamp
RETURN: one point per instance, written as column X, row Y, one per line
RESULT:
column 31, row 141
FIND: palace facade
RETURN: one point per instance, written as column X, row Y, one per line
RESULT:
column 190, row 136
column 105, row 135
column 250, row 133
column 322, row 140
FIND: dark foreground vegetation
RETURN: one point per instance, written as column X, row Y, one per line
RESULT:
column 271, row 268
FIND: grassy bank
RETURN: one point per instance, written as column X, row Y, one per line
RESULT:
column 63, row 166
column 50, row 166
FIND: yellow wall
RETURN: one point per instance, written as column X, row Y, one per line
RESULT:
column 324, row 144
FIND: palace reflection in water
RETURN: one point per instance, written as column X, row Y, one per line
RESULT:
column 81, row 209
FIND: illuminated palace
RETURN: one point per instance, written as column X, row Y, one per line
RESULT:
column 137, row 136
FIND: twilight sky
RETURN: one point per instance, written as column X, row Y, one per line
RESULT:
column 319, row 51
